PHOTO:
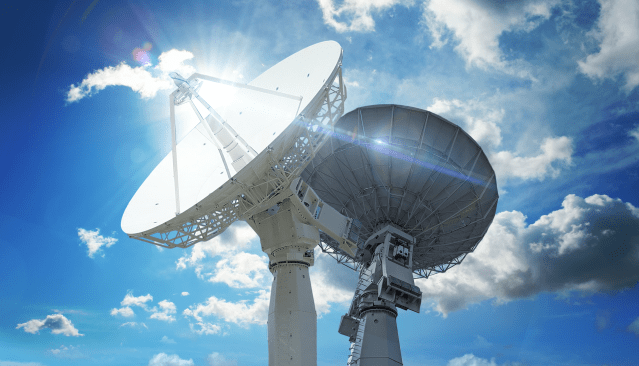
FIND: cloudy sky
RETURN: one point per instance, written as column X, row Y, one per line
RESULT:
column 549, row 88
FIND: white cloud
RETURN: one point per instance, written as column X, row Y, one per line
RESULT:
column 332, row 283
column 471, row 360
column 167, row 340
column 163, row 317
column 236, row 268
column 133, row 325
column 482, row 124
column 58, row 324
column 167, row 308
column 477, row 25
column 206, row 328
column 162, row 359
column 125, row 312
column 130, row 300
column 216, row 359
column 586, row 246
column 357, row 15
column 554, row 151
column 140, row 79
column 94, row 241
column 479, row 121
column 70, row 352
column 634, row 326
column 634, row 132
column 173, row 60
column 242, row 270
column 13, row 363
column 241, row 312
column 237, row 237
column 618, row 33
column 185, row 293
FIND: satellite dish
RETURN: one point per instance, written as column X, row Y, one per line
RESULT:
column 273, row 112
column 243, row 162
column 424, row 194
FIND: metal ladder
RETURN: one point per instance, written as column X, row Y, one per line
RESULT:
column 356, row 347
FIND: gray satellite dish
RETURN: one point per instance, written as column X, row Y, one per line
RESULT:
column 423, row 195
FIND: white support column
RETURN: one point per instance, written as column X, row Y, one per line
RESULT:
column 292, row 320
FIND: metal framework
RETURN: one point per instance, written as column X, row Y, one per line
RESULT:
column 247, row 195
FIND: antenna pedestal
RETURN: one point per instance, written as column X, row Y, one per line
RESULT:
column 380, row 340
column 292, row 320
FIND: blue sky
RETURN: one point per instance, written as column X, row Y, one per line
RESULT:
column 548, row 88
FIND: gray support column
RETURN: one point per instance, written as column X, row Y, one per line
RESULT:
column 380, row 340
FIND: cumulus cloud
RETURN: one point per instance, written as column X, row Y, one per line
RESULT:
column 242, row 312
column 173, row 60
column 479, row 121
column 634, row 326
column 237, row 237
column 618, row 35
column 588, row 245
column 125, row 312
column 216, row 359
column 205, row 328
column 332, row 283
column 242, row 270
column 471, row 360
column 185, row 293
column 482, row 124
column 130, row 300
column 555, row 151
column 166, row 309
column 167, row 340
column 144, row 80
column 477, row 25
column 236, row 268
column 133, row 325
column 94, row 241
column 356, row 15
column 162, row 359
column 58, row 324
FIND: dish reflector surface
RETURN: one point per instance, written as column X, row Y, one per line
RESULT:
column 413, row 169
column 256, row 116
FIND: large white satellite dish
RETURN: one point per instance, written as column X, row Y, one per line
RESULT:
column 273, row 113
column 243, row 162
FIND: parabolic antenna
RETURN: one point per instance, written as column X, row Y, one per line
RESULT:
column 243, row 152
column 243, row 162
column 423, row 194
column 389, row 164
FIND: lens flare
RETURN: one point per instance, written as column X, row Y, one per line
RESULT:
column 141, row 55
